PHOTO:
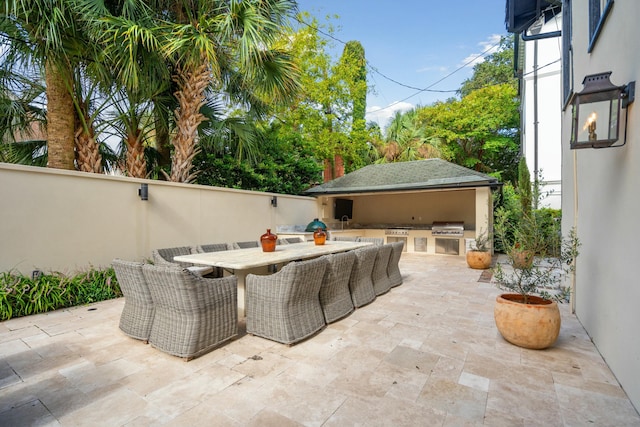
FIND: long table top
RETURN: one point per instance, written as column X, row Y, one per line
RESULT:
column 244, row 259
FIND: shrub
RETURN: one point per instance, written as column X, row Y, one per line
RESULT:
column 22, row 295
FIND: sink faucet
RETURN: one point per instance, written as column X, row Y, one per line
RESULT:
column 342, row 219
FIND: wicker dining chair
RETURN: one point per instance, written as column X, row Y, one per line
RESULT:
column 138, row 311
column 293, row 240
column 345, row 238
column 193, row 314
column 395, row 277
column 335, row 297
column 213, row 247
column 285, row 306
column 246, row 245
column 379, row 275
column 165, row 256
column 360, row 282
column 377, row 241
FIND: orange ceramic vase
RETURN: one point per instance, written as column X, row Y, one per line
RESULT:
column 268, row 241
column 319, row 236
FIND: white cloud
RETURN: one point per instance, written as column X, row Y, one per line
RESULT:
column 440, row 69
column 381, row 115
column 487, row 47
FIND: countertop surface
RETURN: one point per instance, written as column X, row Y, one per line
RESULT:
column 294, row 229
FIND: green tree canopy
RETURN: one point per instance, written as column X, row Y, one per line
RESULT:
column 496, row 69
column 480, row 131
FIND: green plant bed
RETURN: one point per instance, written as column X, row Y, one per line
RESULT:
column 22, row 295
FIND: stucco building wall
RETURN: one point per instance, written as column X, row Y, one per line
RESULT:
column 600, row 197
column 66, row 221
column 541, row 116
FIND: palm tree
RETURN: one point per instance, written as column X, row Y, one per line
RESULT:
column 22, row 115
column 211, row 38
column 406, row 140
column 45, row 31
column 130, row 70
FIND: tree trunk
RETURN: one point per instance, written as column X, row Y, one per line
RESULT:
column 192, row 83
column 88, row 153
column 136, row 163
column 162, row 140
column 60, row 120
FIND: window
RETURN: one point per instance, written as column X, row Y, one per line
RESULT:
column 598, row 12
column 567, row 86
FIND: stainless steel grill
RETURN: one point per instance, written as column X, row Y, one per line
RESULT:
column 447, row 229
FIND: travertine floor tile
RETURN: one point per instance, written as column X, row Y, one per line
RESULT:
column 426, row 353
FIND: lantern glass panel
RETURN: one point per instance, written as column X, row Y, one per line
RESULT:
column 597, row 121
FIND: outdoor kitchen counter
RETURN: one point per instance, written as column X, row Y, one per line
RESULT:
column 417, row 237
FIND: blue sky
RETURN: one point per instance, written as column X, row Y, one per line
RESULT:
column 414, row 42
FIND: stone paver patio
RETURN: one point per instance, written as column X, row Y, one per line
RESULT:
column 426, row 353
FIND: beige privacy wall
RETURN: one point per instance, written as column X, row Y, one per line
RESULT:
column 66, row 221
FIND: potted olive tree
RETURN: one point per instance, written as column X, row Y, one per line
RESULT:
column 479, row 253
column 527, row 315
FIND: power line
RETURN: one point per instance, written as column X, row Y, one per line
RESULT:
column 417, row 89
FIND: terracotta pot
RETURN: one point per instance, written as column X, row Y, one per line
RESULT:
column 479, row 260
column 522, row 259
column 268, row 241
column 319, row 236
column 535, row 325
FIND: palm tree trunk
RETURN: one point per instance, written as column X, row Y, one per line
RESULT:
column 136, row 164
column 162, row 140
column 89, row 157
column 192, row 83
column 60, row 119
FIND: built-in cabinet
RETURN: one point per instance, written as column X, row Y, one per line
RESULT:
column 420, row 241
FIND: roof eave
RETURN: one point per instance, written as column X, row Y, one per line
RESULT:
column 386, row 189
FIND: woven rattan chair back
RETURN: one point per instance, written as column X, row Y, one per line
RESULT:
column 138, row 311
column 360, row 282
column 335, row 297
column 246, row 245
column 285, row 306
column 379, row 276
column 193, row 314
column 293, row 240
column 165, row 256
column 395, row 277
column 346, row 238
column 377, row 241
column 213, row 247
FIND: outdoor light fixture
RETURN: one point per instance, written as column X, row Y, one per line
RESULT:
column 274, row 201
column 596, row 112
column 143, row 192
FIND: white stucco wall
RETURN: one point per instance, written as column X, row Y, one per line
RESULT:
column 66, row 221
column 603, row 200
column 548, row 81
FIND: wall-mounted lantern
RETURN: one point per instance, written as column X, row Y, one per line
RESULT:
column 143, row 192
column 596, row 112
column 274, row 201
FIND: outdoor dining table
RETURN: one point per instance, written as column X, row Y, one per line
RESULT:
column 244, row 261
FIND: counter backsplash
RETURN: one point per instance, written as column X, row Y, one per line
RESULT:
column 356, row 226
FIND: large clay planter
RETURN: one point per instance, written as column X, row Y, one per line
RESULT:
column 535, row 325
column 522, row 259
column 479, row 260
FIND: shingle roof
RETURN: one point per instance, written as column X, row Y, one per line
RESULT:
column 416, row 175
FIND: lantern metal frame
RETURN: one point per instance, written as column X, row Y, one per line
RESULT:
column 599, row 97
